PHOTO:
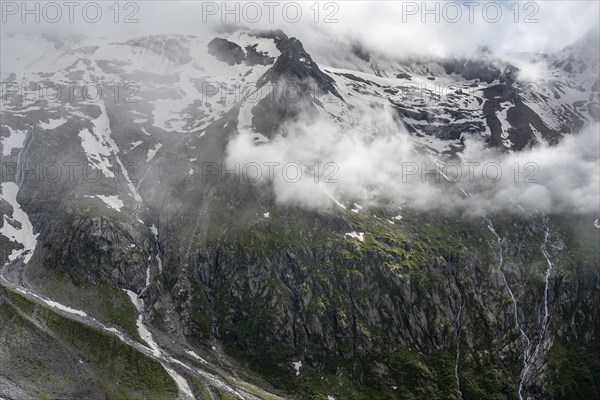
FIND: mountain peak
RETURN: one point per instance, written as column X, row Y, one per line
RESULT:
column 296, row 65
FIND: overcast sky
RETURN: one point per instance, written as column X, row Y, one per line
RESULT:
column 396, row 28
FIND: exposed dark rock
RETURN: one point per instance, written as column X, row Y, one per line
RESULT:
column 226, row 51
column 482, row 70
column 254, row 57
column 295, row 65
column 403, row 75
column 365, row 315
column 520, row 117
column 357, row 79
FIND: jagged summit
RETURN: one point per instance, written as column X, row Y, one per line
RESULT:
column 296, row 65
column 189, row 278
column 277, row 35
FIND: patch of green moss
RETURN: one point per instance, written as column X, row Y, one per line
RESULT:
column 104, row 302
column 422, row 251
column 574, row 371
column 200, row 390
column 226, row 396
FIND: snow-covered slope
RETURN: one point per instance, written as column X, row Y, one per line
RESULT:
column 130, row 126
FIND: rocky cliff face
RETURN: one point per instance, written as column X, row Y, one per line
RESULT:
column 395, row 313
column 236, row 294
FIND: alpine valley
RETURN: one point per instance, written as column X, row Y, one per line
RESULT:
column 134, row 268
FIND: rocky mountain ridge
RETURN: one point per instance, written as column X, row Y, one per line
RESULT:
column 234, row 294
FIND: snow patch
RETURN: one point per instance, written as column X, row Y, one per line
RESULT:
column 61, row 307
column 152, row 152
column 23, row 235
column 142, row 329
column 134, row 145
column 356, row 235
column 98, row 144
column 146, row 336
column 505, row 125
column 111, row 201
column 297, row 365
column 196, row 356
column 53, row 304
column 14, row 141
column 357, row 208
column 338, row 203
column 182, row 384
column 53, row 123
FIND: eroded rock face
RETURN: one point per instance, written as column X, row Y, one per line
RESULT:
column 223, row 263
column 386, row 301
column 255, row 57
column 226, row 51
column 296, row 65
column 482, row 70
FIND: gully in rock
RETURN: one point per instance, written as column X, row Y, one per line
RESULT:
column 530, row 363
column 457, row 360
column 524, row 336
column 457, row 325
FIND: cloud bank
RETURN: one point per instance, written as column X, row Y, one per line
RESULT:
column 377, row 163
column 391, row 28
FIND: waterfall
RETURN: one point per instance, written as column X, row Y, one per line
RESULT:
column 457, row 359
column 514, row 301
column 158, row 257
column 546, row 318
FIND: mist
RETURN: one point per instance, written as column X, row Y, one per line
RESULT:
column 390, row 29
column 379, row 163
column 376, row 161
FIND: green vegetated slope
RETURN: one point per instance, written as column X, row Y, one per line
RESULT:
column 378, row 319
column 44, row 355
column 374, row 319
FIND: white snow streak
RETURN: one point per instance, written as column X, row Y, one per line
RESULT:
column 14, row 141
column 356, row 235
column 23, row 235
column 53, row 123
column 111, row 201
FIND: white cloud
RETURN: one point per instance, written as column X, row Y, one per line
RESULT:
column 374, row 166
column 383, row 26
